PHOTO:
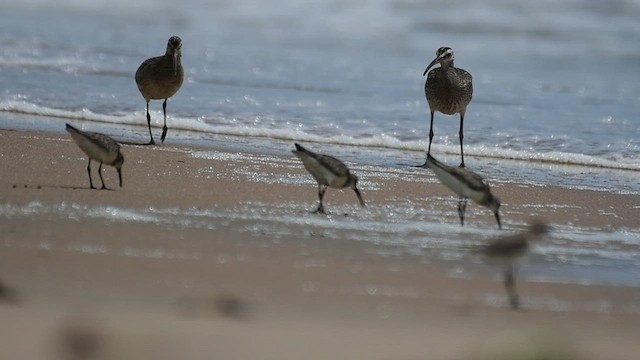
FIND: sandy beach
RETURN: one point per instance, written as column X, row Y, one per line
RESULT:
column 89, row 287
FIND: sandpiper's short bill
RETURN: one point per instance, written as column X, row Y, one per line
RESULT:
column 328, row 172
column 468, row 185
column 98, row 147
column 160, row 78
column 509, row 249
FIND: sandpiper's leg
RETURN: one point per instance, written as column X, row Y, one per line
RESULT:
column 149, row 124
column 321, row 190
column 89, row 172
column 101, row 179
column 461, row 136
column 164, row 128
column 462, row 207
column 430, row 134
column 510, row 286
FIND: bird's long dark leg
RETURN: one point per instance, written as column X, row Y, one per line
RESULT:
column 101, row 179
column 430, row 134
column 430, row 139
column 510, row 286
column 461, row 137
column 89, row 172
column 151, row 142
column 462, row 207
column 321, row 190
column 164, row 128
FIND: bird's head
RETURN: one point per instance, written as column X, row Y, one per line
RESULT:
column 444, row 57
column 118, row 165
column 174, row 45
column 539, row 227
column 494, row 204
column 353, row 183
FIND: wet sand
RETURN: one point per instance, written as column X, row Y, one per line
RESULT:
column 93, row 288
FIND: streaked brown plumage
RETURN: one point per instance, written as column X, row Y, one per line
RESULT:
column 160, row 78
column 449, row 90
column 510, row 248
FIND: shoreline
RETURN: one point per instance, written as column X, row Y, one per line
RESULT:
column 587, row 174
column 116, row 260
column 385, row 183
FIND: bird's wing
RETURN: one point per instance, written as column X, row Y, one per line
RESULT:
column 475, row 181
column 102, row 139
column 456, row 178
column 334, row 165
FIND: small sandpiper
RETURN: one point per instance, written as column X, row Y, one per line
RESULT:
column 160, row 78
column 98, row 147
column 508, row 250
column 467, row 184
column 328, row 172
column 448, row 90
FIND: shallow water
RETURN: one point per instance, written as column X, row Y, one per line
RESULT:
column 403, row 227
column 551, row 81
column 569, row 255
column 555, row 102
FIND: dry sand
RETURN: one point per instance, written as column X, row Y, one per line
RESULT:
column 226, row 294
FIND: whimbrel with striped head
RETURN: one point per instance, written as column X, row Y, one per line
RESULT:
column 448, row 90
column 467, row 184
column 160, row 78
column 328, row 172
column 98, row 147
column 509, row 249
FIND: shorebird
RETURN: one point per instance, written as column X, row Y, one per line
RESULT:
column 448, row 90
column 98, row 147
column 467, row 184
column 508, row 250
column 160, row 78
column 328, row 172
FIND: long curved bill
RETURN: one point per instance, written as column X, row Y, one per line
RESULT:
column 120, row 176
column 498, row 219
column 359, row 196
column 175, row 63
column 435, row 61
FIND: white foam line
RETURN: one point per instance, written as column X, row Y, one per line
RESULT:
column 381, row 141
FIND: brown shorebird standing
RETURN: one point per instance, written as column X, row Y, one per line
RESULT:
column 98, row 147
column 509, row 249
column 160, row 78
column 328, row 172
column 448, row 90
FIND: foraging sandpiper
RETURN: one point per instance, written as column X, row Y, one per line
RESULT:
column 467, row 184
column 509, row 249
column 328, row 172
column 160, row 78
column 448, row 89
column 98, row 147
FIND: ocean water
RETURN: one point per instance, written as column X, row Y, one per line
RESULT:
column 556, row 91
column 552, row 82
